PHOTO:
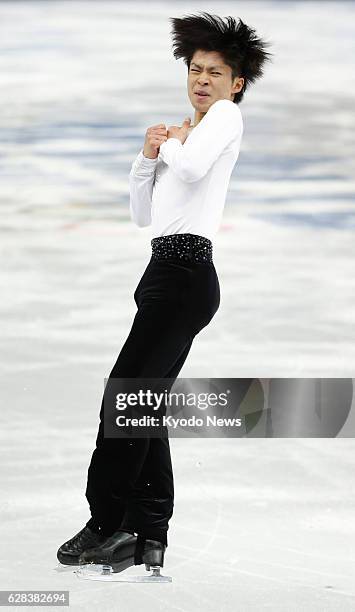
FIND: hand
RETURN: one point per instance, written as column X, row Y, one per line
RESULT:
column 180, row 132
column 154, row 137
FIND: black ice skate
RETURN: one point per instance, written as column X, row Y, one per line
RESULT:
column 120, row 551
column 69, row 553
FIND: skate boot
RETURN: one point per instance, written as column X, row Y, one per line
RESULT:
column 122, row 550
column 70, row 551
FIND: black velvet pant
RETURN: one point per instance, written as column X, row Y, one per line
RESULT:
column 130, row 482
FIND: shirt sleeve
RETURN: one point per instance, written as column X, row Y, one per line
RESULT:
column 216, row 130
column 141, row 180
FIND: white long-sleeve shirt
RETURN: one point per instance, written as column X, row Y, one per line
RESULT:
column 184, row 189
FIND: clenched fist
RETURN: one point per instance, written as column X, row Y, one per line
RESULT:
column 155, row 136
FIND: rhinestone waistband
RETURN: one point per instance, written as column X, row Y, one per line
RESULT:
column 189, row 247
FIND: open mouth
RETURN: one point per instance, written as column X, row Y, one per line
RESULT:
column 202, row 95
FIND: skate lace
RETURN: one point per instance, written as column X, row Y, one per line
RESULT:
column 83, row 537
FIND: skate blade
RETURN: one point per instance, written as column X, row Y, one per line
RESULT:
column 105, row 573
column 65, row 568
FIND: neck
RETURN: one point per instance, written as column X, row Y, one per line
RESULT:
column 198, row 116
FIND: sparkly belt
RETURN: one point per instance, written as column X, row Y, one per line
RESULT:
column 189, row 247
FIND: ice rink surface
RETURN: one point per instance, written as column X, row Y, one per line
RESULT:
column 259, row 524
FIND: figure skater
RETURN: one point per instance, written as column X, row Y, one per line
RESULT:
column 178, row 185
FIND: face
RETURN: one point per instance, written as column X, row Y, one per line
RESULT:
column 209, row 73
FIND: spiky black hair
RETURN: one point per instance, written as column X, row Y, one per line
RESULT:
column 238, row 44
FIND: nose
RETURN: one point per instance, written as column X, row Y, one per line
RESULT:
column 202, row 79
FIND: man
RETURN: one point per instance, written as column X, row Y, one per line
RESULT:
column 178, row 185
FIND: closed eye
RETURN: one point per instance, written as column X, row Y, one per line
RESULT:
column 194, row 70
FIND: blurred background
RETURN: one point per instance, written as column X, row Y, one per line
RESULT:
column 80, row 83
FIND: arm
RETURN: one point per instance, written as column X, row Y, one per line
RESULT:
column 141, row 179
column 216, row 130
